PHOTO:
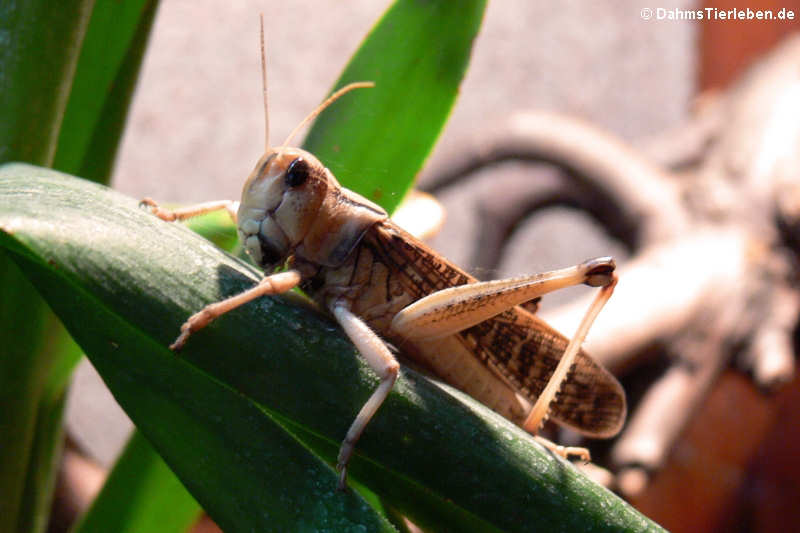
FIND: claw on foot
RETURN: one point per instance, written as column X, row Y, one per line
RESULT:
column 567, row 452
column 196, row 322
column 164, row 214
column 181, row 340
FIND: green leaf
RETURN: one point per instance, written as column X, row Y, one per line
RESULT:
column 416, row 55
column 105, row 77
column 25, row 365
column 38, row 57
column 141, row 494
column 217, row 227
column 40, row 43
column 104, row 80
column 220, row 443
column 45, row 88
column 243, row 416
column 43, row 463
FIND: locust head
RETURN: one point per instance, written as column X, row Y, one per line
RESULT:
column 293, row 205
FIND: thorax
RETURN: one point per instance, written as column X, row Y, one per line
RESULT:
column 388, row 270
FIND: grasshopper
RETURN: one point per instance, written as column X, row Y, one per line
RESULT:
column 382, row 285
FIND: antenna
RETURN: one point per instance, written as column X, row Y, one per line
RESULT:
column 328, row 101
column 264, row 86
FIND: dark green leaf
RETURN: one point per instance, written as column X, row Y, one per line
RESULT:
column 237, row 461
column 228, row 414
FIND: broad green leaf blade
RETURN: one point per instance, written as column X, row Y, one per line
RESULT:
column 105, row 77
column 124, row 281
column 141, row 494
column 417, row 55
column 227, row 451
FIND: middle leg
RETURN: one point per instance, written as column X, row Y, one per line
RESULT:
column 381, row 360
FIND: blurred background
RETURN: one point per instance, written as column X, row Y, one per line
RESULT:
column 196, row 130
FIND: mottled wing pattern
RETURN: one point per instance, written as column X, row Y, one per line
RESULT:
column 422, row 269
column 516, row 345
column 524, row 351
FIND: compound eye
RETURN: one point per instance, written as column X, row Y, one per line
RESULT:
column 297, row 173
